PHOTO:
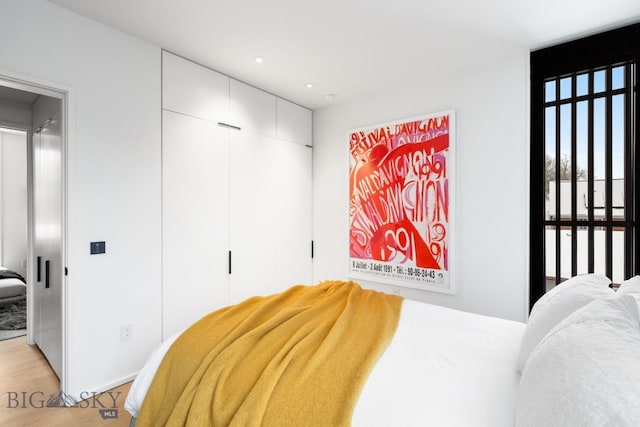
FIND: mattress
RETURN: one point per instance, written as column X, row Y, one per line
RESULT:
column 12, row 288
column 442, row 367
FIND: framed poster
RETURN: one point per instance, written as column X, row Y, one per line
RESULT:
column 401, row 194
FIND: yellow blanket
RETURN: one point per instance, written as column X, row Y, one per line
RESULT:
column 299, row 358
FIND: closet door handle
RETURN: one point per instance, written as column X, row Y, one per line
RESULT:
column 46, row 274
column 229, row 262
column 39, row 269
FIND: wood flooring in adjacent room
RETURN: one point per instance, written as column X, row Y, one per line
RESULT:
column 27, row 382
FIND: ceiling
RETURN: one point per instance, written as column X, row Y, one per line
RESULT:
column 8, row 94
column 350, row 48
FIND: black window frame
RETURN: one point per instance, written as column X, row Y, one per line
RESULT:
column 617, row 46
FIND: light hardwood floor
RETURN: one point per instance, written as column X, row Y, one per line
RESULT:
column 26, row 383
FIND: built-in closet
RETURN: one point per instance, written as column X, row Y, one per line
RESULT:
column 236, row 192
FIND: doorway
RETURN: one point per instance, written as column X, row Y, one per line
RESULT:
column 39, row 113
column 13, row 232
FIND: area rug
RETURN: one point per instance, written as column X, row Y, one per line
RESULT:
column 13, row 319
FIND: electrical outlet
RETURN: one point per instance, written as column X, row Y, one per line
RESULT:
column 126, row 331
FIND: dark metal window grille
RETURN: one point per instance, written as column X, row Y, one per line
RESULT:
column 584, row 146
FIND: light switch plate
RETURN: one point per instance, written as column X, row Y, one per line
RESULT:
column 98, row 248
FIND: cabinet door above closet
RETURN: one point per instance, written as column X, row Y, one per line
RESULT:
column 194, row 90
column 294, row 123
column 252, row 109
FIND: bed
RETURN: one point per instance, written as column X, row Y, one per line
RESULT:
column 445, row 367
column 13, row 287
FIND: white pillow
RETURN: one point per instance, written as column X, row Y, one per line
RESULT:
column 557, row 304
column 586, row 371
column 631, row 287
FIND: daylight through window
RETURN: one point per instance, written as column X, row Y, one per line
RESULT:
column 584, row 176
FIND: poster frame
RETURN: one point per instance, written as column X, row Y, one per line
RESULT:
column 387, row 272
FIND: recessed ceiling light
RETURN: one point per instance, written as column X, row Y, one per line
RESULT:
column 330, row 96
column 259, row 59
column 309, row 85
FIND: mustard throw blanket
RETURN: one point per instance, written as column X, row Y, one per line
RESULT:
column 299, row 358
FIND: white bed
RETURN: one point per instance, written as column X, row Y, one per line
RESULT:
column 450, row 367
column 13, row 287
column 578, row 356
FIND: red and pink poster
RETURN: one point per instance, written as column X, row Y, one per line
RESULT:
column 401, row 193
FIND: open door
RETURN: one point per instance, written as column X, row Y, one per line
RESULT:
column 47, row 229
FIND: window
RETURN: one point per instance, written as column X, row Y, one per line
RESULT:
column 584, row 146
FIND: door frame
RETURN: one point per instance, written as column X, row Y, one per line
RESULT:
column 66, row 95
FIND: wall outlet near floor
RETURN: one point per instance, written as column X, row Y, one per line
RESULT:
column 126, row 331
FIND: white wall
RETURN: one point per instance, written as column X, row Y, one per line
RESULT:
column 492, row 180
column 13, row 200
column 113, row 181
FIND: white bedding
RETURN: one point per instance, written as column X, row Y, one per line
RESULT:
column 443, row 367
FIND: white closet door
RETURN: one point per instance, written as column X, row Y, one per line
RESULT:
column 270, row 215
column 195, row 195
column 296, row 211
